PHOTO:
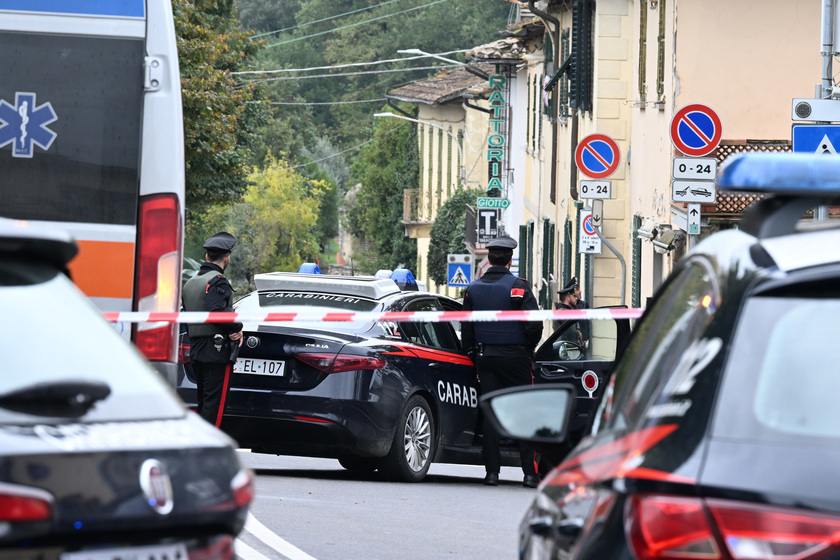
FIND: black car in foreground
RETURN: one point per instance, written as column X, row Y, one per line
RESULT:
column 99, row 459
column 719, row 434
column 386, row 395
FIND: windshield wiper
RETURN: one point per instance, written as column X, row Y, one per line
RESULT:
column 66, row 397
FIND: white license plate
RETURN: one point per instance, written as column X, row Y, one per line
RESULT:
column 256, row 366
column 134, row 552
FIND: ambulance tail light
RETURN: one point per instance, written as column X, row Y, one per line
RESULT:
column 678, row 528
column 157, row 283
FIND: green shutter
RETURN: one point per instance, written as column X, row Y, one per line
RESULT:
column 636, row 268
column 567, row 252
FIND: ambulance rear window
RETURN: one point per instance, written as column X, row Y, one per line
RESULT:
column 70, row 148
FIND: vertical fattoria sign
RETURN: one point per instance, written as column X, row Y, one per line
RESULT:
column 497, row 141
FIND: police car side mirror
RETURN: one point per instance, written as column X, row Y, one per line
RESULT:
column 532, row 413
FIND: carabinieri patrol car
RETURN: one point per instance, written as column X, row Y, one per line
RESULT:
column 719, row 435
column 387, row 395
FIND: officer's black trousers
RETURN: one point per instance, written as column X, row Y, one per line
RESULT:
column 499, row 372
column 212, row 380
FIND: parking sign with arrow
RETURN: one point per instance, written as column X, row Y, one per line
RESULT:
column 693, row 217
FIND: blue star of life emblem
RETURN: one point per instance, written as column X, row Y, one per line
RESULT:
column 26, row 124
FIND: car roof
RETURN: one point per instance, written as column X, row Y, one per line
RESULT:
column 772, row 231
column 20, row 239
column 358, row 286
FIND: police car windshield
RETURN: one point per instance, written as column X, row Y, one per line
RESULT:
column 56, row 335
column 304, row 300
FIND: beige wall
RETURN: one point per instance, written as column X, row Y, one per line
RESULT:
column 747, row 59
column 454, row 119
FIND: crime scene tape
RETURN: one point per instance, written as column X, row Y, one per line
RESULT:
column 195, row 317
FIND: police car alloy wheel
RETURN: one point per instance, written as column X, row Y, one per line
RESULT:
column 414, row 443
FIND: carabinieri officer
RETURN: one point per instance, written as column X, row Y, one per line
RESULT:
column 212, row 345
column 503, row 351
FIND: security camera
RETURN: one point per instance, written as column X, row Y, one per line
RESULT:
column 647, row 230
column 668, row 240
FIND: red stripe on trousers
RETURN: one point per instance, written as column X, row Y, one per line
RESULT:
column 224, row 395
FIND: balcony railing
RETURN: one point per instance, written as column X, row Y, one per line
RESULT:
column 412, row 206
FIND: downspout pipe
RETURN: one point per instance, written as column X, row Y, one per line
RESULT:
column 827, row 47
column 827, row 51
column 556, row 44
column 393, row 106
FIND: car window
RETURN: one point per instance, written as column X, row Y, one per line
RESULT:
column 436, row 335
column 54, row 334
column 783, row 375
column 676, row 318
column 599, row 342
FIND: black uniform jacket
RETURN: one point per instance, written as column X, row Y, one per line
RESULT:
column 218, row 297
column 524, row 300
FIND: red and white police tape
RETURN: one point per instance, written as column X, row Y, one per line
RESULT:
column 367, row 316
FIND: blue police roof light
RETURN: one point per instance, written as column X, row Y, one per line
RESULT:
column 404, row 279
column 310, row 268
column 797, row 174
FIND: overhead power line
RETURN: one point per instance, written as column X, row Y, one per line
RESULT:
column 381, row 99
column 324, row 19
column 343, row 65
column 354, row 24
column 356, row 147
column 254, row 82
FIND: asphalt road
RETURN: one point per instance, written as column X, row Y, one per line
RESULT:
column 313, row 509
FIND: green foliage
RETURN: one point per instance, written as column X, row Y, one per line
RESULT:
column 387, row 167
column 448, row 234
column 220, row 120
column 275, row 223
column 327, row 226
column 364, row 36
column 268, row 15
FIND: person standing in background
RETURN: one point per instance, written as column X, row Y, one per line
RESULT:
column 503, row 351
column 212, row 345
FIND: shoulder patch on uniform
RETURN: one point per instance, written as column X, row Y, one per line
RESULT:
column 517, row 292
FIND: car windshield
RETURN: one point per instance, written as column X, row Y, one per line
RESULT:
column 55, row 338
column 783, row 376
column 309, row 302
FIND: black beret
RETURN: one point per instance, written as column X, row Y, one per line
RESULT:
column 503, row 243
column 222, row 241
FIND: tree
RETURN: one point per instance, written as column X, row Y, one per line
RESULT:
column 387, row 167
column 331, row 32
column 266, row 16
column 275, row 223
column 220, row 119
column 448, row 234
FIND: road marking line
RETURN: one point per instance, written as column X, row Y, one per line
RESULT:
column 263, row 533
column 245, row 552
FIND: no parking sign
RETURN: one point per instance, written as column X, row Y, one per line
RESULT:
column 590, row 243
column 597, row 156
column 696, row 130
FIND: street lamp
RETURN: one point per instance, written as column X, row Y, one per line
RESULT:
column 467, row 67
column 454, row 139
